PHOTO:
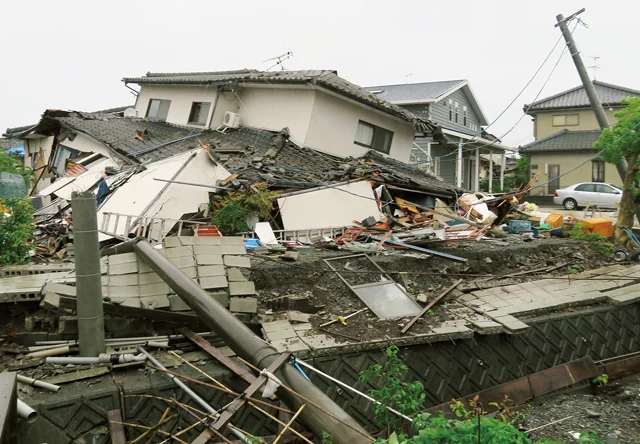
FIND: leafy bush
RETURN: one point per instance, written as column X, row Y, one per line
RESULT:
column 16, row 231
column 406, row 398
column 234, row 209
column 576, row 232
column 12, row 164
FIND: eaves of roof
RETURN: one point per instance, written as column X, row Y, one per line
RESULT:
column 563, row 141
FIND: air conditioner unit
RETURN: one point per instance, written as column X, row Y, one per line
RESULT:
column 231, row 120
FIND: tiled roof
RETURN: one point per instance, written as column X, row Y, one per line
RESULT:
column 324, row 78
column 427, row 91
column 564, row 140
column 577, row 97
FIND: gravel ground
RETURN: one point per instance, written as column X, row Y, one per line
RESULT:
column 615, row 409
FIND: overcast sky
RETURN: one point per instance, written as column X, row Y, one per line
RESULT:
column 73, row 54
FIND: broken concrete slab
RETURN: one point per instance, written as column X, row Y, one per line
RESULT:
column 186, row 240
column 487, row 327
column 182, row 251
column 124, row 268
column 289, row 344
column 233, row 249
column 149, row 278
column 207, row 249
column 297, row 316
column 290, row 256
column 123, row 258
column 191, row 272
column 131, row 291
column 62, row 289
column 243, row 305
column 241, row 288
column 302, row 328
column 237, row 261
column 319, row 341
column 154, row 289
column 78, row 375
column 206, row 240
column 232, row 241
column 211, row 270
column 51, row 302
column 235, row 275
column 156, row 301
column 209, row 259
column 279, row 335
column 221, row 296
column 172, row 241
column 123, row 280
column 213, row 282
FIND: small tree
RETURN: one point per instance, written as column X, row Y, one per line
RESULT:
column 16, row 231
column 622, row 141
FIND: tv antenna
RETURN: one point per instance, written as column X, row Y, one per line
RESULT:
column 279, row 59
column 595, row 65
column 406, row 77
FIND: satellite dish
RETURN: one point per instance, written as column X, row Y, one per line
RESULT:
column 130, row 112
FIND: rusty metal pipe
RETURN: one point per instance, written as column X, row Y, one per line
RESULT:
column 243, row 342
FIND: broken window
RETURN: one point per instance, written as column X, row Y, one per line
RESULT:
column 63, row 153
column 373, row 137
column 158, row 109
column 199, row 113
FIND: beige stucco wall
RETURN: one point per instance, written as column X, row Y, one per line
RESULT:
column 334, row 122
column 587, row 121
column 567, row 162
column 276, row 108
column 181, row 96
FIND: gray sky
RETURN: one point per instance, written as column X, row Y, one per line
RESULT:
column 73, row 54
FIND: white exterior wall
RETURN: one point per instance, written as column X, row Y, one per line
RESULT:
column 87, row 145
column 275, row 108
column 31, row 148
column 334, row 122
column 181, row 96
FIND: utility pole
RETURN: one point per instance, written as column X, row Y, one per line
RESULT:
column 588, row 86
column 88, row 282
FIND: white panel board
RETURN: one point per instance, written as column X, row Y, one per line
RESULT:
column 329, row 207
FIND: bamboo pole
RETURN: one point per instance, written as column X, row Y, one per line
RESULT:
column 288, row 424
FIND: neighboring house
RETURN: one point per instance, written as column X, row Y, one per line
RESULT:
column 565, row 129
column 322, row 110
column 454, row 107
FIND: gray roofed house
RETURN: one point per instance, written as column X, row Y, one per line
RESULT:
column 609, row 95
column 404, row 94
column 564, row 141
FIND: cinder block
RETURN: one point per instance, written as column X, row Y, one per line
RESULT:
column 235, row 241
column 206, row 240
column 186, row 240
column 243, row 305
column 211, row 270
column 209, row 259
column 237, row 261
column 172, row 241
column 178, row 252
column 123, row 268
column 149, row 278
column 233, row 249
column 143, row 267
column 191, row 272
column 177, row 304
column 207, row 249
column 123, row 280
column 235, row 275
column 221, row 296
column 131, row 291
column 154, row 289
column 183, row 261
column 241, row 288
column 123, row 258
column 65, row 290
column 213, row 282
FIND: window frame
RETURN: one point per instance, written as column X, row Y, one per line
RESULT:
column 190, row 120
column 592, row 185
column 595, row 175
column 159, row 106
column 376, row 130
column 565, row 116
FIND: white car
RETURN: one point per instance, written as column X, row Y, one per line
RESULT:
column 602, row 195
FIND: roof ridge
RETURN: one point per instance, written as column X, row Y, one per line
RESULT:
column 537, row 102
column 417, row 83
column 200, row 73
column 546, row 139
column 611, row 85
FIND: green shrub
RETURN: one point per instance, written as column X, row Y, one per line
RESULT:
column 234, row 209
column 600, row 241
column 16, row 231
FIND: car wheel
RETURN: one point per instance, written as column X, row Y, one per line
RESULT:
column 570, row 204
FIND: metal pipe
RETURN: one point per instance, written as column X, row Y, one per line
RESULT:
column 351, row 389
column 88, row 283
column 49, row 352
column 243, row 342
column 201, row 402
column 103, row 358
column 26, row 412
column 37, row 383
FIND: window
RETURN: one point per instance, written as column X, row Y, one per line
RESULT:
column 605, row 189
column 158, row 109
column 566, row 120
column 464, row 115
column 199, row 113
column 450, row 110
column 597, row 171
column 588, row 187
column 456, row 112
column 63, row 153
column 373, row 137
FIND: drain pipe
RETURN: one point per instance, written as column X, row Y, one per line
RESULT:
column 193, row 395
column 104, row 358
column 26, row 412
column 88, row 283
column 249, row 347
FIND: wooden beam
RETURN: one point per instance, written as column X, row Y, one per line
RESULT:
column 116, row 429
column 431, row 304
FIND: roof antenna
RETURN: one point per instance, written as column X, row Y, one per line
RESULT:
column 279, row 59
column 406, row 77
column 595, row 65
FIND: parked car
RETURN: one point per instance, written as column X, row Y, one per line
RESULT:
column 602, row 195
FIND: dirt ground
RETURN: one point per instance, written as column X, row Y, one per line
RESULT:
column 616, row 409
column 310, row 277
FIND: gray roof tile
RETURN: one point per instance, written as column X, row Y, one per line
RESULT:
column 324, row 78
column 427, row 91
column 564, row 140
column 577, row 97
